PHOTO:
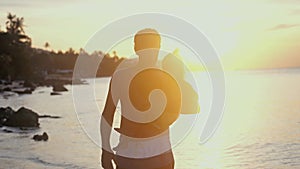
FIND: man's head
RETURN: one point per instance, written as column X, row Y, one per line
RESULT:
column 147, row 43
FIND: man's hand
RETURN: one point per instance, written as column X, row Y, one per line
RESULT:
column 106, row 159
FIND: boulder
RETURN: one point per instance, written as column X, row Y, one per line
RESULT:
column 5, row 113
column 22, row 118
column 7, row 131
column 43, row 137
column 7, row 83
column 30, row 85
column 59, row 88
column 55, row 93
column 49, row 116
column 22, row 91
column 6, row 89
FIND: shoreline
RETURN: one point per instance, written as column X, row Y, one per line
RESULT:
column 26, row 86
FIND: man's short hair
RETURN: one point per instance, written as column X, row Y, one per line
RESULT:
column 147, row 38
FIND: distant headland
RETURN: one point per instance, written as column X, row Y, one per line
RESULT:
column 19, row 61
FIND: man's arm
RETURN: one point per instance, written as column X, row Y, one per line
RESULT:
column 105, row 130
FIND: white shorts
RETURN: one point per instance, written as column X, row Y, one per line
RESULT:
column 143, row 147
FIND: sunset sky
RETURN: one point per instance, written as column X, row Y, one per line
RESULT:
column 246, row 33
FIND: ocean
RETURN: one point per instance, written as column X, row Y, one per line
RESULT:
column 260, row 127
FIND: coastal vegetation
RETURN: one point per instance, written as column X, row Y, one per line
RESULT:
column 19, row 60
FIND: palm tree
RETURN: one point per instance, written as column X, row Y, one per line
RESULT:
column 20, row 26
column 10, row 22
column 14, row 24
column 47, row 45
column 70, row 51
column 15, row 29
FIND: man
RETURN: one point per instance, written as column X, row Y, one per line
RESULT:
column 146, row 113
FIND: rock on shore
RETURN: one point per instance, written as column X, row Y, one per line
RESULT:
column 21, row 118
column 43, row 137
column 59, row 88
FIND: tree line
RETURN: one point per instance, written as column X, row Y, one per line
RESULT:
column 19, row 60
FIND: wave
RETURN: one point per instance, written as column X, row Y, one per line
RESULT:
column 43, row 163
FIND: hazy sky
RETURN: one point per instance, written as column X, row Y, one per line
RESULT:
column 246, row 33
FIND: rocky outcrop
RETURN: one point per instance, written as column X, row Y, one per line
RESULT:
column 21, row 118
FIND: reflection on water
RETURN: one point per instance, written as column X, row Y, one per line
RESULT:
column 260, row 128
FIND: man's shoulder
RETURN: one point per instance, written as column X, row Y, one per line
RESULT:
column 120, row 73
column 120, row 77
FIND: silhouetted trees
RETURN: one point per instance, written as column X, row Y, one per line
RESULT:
column 109, row 64
column 14, row 25
column 15, row 49
column 18, row 60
